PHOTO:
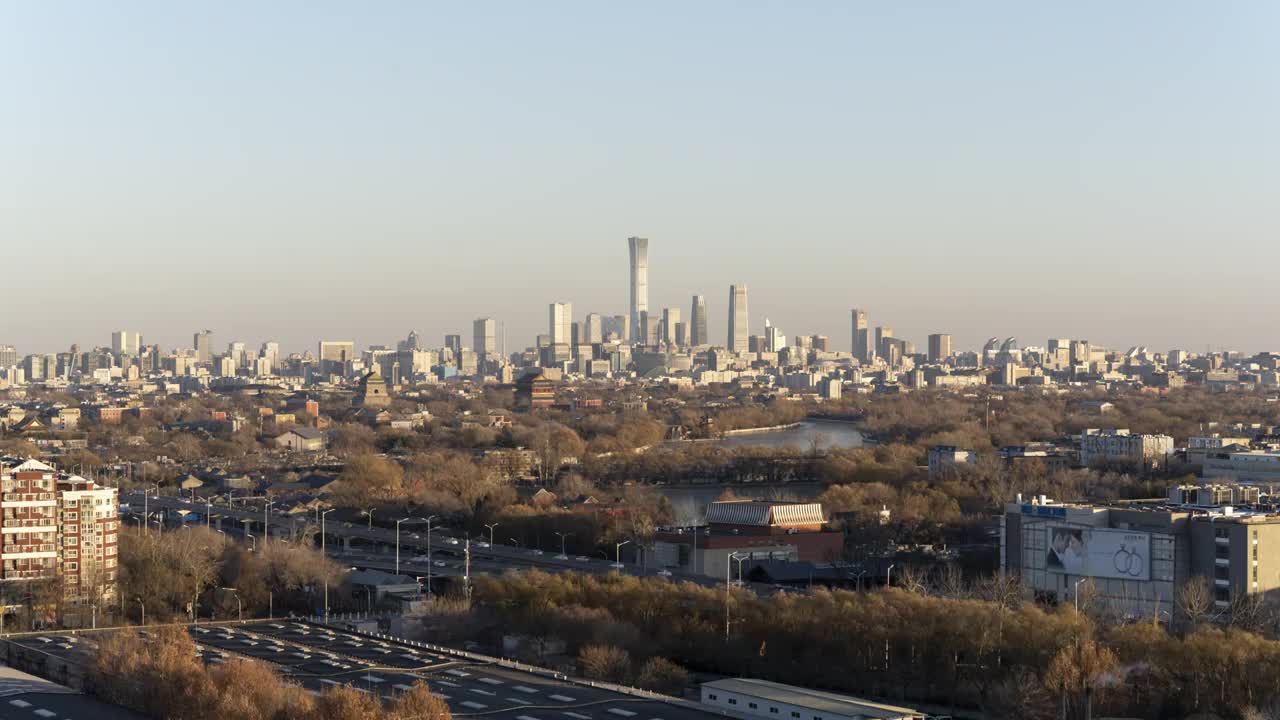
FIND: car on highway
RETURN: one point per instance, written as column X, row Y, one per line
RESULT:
column 440, row 563
column 421, row 558
column 483, row 544
column 535, row 552
column 582, row 558
column 664, row 572
column 451, row 541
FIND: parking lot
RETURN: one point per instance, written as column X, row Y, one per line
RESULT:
column 318, row 657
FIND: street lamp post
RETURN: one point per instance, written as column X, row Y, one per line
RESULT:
column 402, row 520
column 1076, row 591
column 433, row 517
column 888, row 575
column 617, row 549
column 322, row 535
column 146, row 512
column 730, row 556
column 369, row 513
column 239, row 606
column 562, row 537
column 266, row 514
column 491, row 527
column 253, row 546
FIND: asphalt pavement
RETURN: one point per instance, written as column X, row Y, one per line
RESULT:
column 27, row 697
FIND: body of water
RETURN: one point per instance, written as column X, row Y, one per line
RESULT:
column 827, row 434
column 690, row 501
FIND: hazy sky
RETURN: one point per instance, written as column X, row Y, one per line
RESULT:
column 280, row 170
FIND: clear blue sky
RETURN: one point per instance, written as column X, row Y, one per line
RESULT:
column 298, row 170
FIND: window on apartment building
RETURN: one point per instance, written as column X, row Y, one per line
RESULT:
column 1221, row 532
column 795, row 714
column 733, row 701
column 72, row 541
column 713, row 696
column 73, row 566
column 773, row 710
column 1222, row 551
column 111, row 563
column 751, row 705
column 1222, row 594
column 72, row 553
column 1222, row 572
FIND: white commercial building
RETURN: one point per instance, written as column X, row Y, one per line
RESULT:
column 749, row 698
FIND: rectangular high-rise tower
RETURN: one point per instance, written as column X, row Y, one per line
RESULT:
column 203, row 342
column 485, row 336
column 739, row 327
column 124, row 342
column 670, row 318
column 595, row 329
column 639, row 282
column 861, row 338
column 560, row 323
column 698, row 321
column 882, row 332
column 939, row 347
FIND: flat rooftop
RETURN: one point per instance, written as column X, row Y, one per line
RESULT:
column 816, row 700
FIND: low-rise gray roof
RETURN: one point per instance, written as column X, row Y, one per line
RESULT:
column 817, row 700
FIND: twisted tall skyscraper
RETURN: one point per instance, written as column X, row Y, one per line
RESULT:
column 639, row 283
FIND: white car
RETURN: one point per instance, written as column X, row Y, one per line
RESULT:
column 482, row 544
column 451, row 541
column 664, row 572
column 535, row 552
column 582, row 558
column 440, row 563
column 421, row 558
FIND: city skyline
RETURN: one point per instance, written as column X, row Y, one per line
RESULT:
column 904, row 165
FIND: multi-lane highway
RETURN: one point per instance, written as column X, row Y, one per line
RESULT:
column 375, row 545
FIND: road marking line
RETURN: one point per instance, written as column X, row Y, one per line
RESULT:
column 474, row 705
column 20, row 703
column 621, row 712
column 478, row 691
column 523, row 689
column 450, row 684
column 518, row 701
column 578, row 716
column 490, row 681
column 562, row 698
column 526, row 717
column 46, row 713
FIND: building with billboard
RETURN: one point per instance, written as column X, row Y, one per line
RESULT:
column 1137, row 556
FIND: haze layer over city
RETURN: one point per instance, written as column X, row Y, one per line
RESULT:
column 985, row 169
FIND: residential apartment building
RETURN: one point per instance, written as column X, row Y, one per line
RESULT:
column 88, row 517
column 54, row 525
column 1102, row 447
column 28, row 520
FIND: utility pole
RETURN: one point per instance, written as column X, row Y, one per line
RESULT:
column 466, row 571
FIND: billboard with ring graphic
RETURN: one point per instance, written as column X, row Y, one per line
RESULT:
column 1092, row 552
